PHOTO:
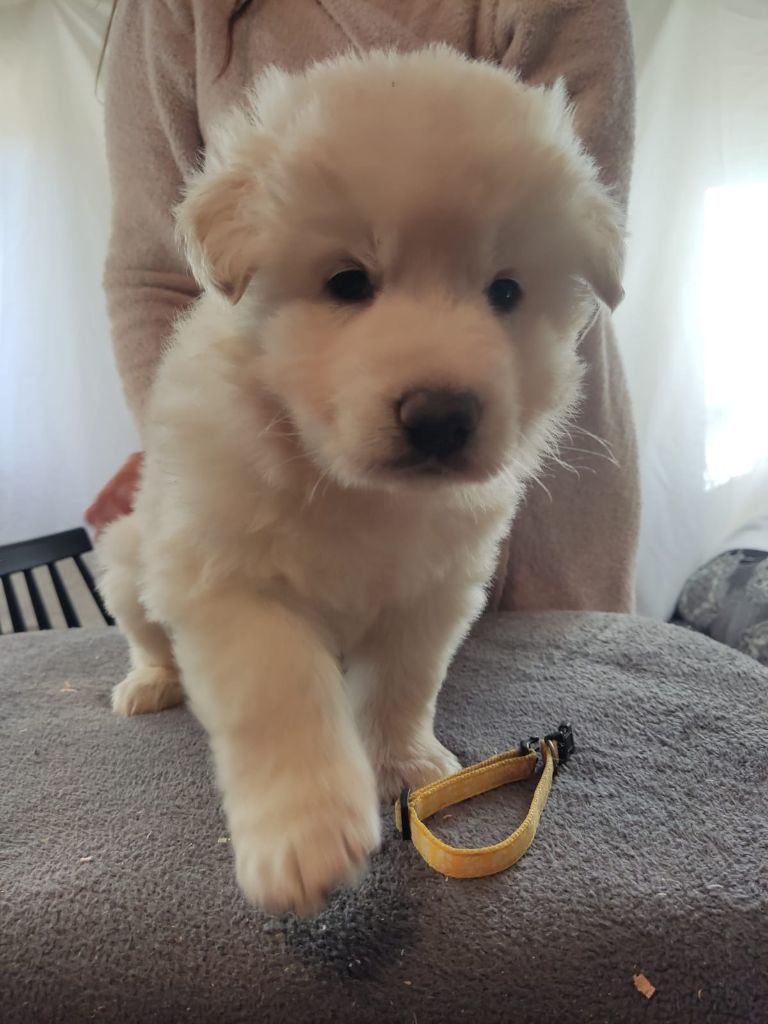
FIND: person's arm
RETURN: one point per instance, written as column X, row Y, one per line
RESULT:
column 153, row 142
column 588, row 43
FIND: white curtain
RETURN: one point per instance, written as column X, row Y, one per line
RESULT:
column 693, row 328
column 64, row 427
column 694, row 325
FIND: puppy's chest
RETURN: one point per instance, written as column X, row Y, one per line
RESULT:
column 358, row 558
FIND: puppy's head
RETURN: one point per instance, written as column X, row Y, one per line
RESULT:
column 417, row 241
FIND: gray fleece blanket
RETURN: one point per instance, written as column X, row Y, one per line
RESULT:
column 117, row 897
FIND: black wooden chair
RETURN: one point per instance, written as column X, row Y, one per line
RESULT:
column 27, row 555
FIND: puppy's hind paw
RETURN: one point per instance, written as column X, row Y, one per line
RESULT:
column 145, row 690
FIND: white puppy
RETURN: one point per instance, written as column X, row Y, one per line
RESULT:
column 398, row 254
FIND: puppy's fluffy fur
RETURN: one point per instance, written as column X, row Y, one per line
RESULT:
column 305, row 576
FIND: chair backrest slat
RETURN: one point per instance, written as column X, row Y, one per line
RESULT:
column 41, row 614
column 85, row 572
column 61, row 592
column 17, row 619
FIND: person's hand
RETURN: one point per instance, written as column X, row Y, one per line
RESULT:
column 115, row 499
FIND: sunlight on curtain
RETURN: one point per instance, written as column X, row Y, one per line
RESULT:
column 732, row 320
column 694, row 326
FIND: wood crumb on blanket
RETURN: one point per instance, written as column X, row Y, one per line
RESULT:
column 643, row 986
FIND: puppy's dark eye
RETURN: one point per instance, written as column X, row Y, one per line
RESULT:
column 350, row 286
column 504, row 294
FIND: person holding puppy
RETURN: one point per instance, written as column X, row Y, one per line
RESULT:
column 173, row 68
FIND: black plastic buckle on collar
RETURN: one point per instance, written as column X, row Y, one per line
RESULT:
column 405, row 814
column 563, row 737
column 566, row 745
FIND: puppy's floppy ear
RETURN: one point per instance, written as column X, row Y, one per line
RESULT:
column 217, row 223
column 601, row 245
column 598, row 220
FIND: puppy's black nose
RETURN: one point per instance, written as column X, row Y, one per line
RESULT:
column 438, row 423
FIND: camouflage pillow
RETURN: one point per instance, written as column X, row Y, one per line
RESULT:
column 728, row 600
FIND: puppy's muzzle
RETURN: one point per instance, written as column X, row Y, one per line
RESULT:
column 438, row 424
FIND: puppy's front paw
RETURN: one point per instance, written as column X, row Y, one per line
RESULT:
column 145, row 690
column 415, row 766
column 293, row 857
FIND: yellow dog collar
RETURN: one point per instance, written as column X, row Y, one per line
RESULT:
column 414, row 806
